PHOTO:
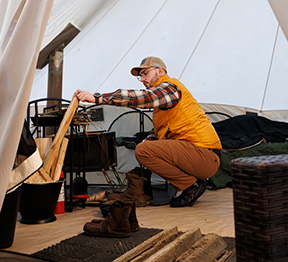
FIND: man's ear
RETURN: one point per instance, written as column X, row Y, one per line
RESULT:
column 162, row 71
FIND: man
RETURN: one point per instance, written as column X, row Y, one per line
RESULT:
column 182, row 146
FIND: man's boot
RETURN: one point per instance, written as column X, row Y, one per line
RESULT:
column 189, row 196
column 133, row 221
column 116, row 224
column 134, row 192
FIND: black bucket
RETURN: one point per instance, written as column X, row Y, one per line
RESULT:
column 38, row 202
column 8, row 218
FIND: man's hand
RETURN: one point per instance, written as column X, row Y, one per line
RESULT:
column 84, row 96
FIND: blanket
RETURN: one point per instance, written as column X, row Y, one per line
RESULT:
column 247, row 136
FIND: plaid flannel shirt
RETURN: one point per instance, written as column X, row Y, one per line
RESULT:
column 164, row 96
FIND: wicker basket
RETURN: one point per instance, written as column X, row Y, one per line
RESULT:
column 260, row 192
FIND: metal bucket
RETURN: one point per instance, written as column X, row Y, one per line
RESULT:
column 38, row 202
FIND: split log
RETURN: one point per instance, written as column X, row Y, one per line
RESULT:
column 54, row 149
column 60, row 161
column 44, row 175
column 43, row 145
column 146, row 245
column 207, row 249
column 39, row 176
column 53, row 166
column 160, row 244
column 177, row 247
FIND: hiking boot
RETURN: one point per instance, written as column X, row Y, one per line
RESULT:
column 147, row 182
column 146, row 173
column 105, row 209
column 116, row 224
column 135, row 190
column 189, row 196
column 133, row 222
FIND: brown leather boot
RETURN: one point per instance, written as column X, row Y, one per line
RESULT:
column 133, row 221
column 134, row 192
column 116, row 224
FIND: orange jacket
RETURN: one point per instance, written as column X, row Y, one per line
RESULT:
column 186, row 120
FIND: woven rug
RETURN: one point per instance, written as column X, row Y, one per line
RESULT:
column 86, row 248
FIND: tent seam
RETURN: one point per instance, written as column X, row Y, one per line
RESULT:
column 270, row 67
column 199, row 40
column 132, row 45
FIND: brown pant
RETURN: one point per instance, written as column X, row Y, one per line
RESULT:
column 177, row 161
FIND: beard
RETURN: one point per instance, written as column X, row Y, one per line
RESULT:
column 147, row 84
column 150, row 83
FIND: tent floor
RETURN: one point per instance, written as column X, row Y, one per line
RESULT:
column 212, row 213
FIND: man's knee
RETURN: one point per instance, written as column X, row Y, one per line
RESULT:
column 143, row 150
column 140, row 149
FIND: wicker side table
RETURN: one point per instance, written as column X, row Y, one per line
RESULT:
column 260, row 194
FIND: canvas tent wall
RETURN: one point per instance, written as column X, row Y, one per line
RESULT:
column 20, row 40
column 231, row 54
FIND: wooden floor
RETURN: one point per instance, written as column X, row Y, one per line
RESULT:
column 212, row 213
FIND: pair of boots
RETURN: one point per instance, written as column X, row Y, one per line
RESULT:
column 139, row 188
column 120, row 221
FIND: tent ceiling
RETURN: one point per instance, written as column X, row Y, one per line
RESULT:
column 228, row 52
column 280, row 8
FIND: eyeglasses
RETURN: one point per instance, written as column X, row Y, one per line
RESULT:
column 144, row 73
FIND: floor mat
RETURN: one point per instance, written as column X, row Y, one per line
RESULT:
column 59, row 252
column 10, row 256
column 89, row 248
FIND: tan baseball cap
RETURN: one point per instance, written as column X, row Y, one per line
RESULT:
column 147, row 62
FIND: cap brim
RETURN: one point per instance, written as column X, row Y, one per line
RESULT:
column 135, row 70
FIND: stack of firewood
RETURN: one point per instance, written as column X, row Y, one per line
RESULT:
column 53, row 152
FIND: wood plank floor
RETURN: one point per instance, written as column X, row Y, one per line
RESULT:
column 212, row 213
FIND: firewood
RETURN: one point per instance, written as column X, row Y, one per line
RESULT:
column 54, row 149
column 61, row 157
column 146, row 245
column 39, row 176
column 43, row 145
